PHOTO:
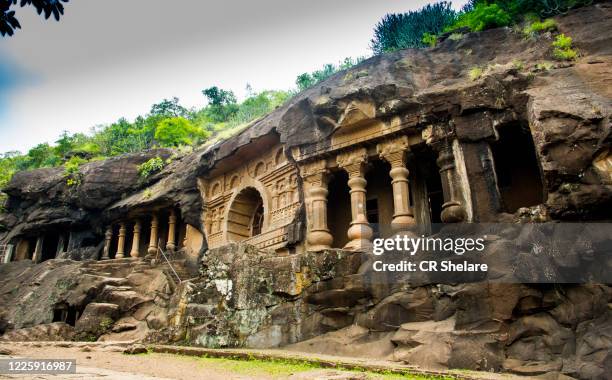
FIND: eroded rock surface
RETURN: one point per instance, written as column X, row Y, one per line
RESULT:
column 329, row 301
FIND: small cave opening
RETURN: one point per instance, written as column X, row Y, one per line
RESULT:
column 516, row 167
column 66, row 313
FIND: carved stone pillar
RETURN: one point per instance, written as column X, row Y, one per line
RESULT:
column 171, row 243
column 452, row 209
column 121, row 242
column 394, row 152
column 37, row 256
column 135, row 252
column 360, row 233
column 61, row 246
column 152, row 250
column 315, row 179
column 108, row 236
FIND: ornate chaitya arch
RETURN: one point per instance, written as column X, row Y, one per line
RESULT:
column 246, row 215
column 234, row 193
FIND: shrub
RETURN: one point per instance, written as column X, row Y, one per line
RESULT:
column 149, row 167
column 544, row 8
column 307, row 80
column 72, row 171
column 177, row 131
column 544, row 66
column 430, row 39
column 406, row 30
column 563, row 48
column 540, row 26
column 475, row 73
column 483, row 16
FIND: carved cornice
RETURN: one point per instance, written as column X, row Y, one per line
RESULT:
column 357, row 112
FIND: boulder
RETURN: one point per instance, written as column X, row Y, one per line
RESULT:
column 96, row 319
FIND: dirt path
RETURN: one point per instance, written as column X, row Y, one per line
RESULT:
column 107, row 360
column 111, row 363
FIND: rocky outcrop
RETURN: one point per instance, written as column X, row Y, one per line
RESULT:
column 110, row 300
column 331, row 301
column 42, row 199
column 326, row 302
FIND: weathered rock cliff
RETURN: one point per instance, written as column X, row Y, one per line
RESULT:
column 324, row 302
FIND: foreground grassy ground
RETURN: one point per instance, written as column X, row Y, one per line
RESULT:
column 108, row 360
column 283, row 369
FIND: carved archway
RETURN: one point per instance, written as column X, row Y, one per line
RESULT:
column 245, row 217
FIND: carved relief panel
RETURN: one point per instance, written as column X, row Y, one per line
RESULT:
column 234, row 200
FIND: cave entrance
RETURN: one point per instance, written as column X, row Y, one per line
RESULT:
column 339, row 208
column 246, row 215
column 516, row 168
column 67, row 313
column 379, row 198
column 426, row 195
column 49, row 246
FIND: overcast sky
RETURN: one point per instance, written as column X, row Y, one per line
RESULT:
column 108, row 59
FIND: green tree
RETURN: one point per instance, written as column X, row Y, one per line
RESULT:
column 119, row 138
column 64, row 145
column 406, row 30
column 176, row 131
column 169, row 108
column 8, row 21
column 221, row 104
column 41, row 156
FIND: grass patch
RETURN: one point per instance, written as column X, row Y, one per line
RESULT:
column 455, row 36
column 544, row 66
column 540, row 26
column 475, row 73
column 282, row 368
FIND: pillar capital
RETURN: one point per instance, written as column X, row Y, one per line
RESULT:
column 394, row 151
column 353, row 161
column 315, row 172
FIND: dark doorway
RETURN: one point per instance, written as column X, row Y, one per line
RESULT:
column 339, row 208
column 67, row 313
column 372, row 213
column 379, row 204
column 516, row 168
column 49, row 247
column 426, row 190
column 258, row 219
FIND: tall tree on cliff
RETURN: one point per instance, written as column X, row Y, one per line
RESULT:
column 406, row 30
column 8, row 21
